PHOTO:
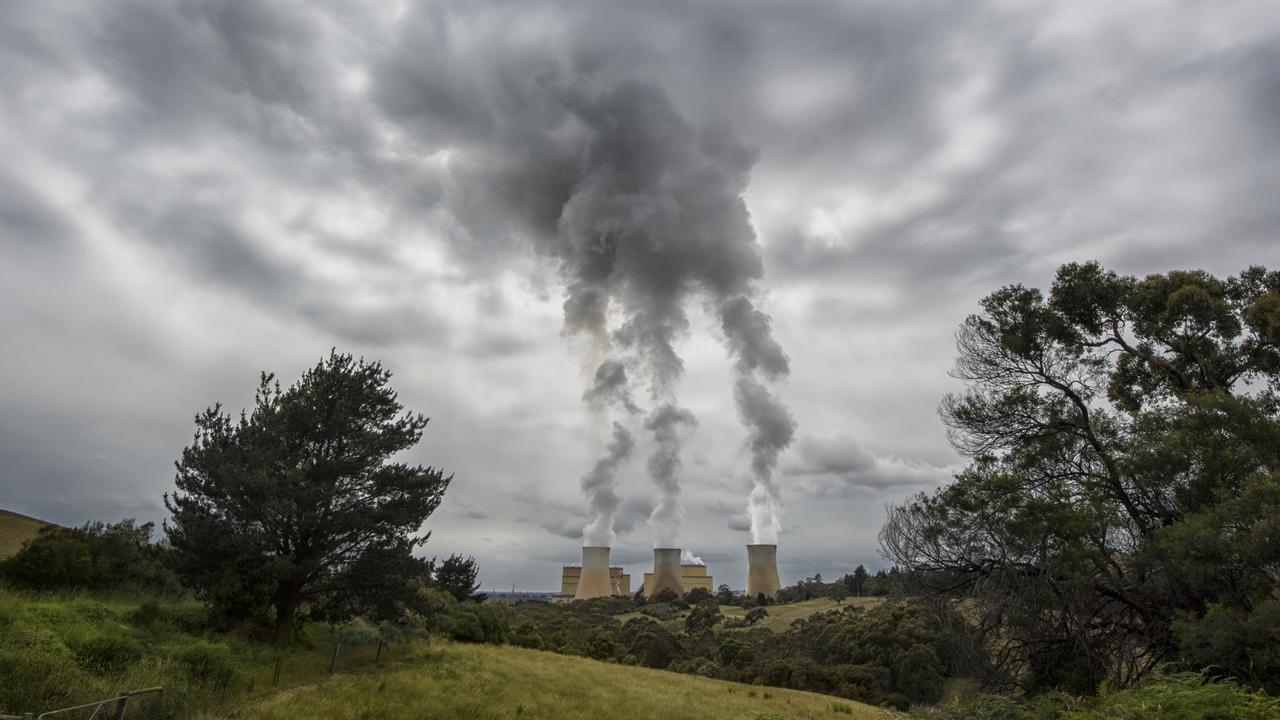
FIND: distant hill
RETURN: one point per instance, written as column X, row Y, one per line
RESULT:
column 16, row 529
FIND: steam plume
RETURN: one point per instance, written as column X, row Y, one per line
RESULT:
column 770, row 424
column 667, row 518
column 599, row 485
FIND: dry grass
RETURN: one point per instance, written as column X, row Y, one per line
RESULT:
column 781, row 616
column 16, row 529
column 483, row 682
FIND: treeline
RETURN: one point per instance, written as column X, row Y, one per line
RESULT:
column 895, row 653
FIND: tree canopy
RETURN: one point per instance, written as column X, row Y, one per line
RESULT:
column 298, row 504
column 1122, row 506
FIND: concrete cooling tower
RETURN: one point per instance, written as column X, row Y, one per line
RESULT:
column 594, row 581
column 666, row 571
column 762, row 570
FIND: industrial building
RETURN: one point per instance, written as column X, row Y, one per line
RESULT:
column 570, row 575
column 691, row 576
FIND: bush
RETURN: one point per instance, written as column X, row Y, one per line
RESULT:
column 1181, row 697
column 147, row 614
column 205, row 660
column 107, row 651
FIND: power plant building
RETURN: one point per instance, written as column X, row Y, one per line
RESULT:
column 570, row 575
column 691, row 576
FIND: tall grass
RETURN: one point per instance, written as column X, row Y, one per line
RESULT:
column 451, row 680
column 62, row 650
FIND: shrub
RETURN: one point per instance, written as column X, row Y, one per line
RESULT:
column 107, row 651
column 205, row 660
column 147, row 613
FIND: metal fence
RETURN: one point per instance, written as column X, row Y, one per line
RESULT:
column 109, row 709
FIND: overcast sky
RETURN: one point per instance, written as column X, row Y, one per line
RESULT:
column 194, row 191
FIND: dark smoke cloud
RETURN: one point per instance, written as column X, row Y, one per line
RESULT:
column 610, row 388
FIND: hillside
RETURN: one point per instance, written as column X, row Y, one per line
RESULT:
column 485, row 681
column 780, row 616
column 16, row 529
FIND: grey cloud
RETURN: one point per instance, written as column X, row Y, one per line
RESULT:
column 198, row 189
column 841, row 464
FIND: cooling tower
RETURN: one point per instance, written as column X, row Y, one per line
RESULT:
column 666, row 571
column 762, row 570
column 594, row 581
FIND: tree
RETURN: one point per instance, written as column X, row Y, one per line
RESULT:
column 457, row 576
column 98, row 556
column 1114, row 429
column 858, row 581
column 297, row 505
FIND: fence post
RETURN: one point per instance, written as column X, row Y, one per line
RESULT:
column 118, row 712
column 378, row 657
column 334, row 662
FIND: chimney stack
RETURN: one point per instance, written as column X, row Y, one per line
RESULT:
column 594, row 581
column 666, row 571
column 762, row 570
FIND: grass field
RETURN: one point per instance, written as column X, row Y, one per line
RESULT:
column 63, row 650
column 16, row 529
column 780, row 616
column 483, row 682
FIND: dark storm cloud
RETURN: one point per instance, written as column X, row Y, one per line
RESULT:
column 840, row 464
column 196, row 189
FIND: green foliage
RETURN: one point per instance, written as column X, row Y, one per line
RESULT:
column 1186, row 696
column 1125, row 479
column 99, row 556
column 298, row 505
column 204, row 660
column 457, row 576
column 697, row 596
column 107, row 651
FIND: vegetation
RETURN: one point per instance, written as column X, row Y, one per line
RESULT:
column 472, row 681
column 62, row 650
column 1123, row 503
column 886, row 653
column 298, row 507
column 99, row 556
column 1185, row 696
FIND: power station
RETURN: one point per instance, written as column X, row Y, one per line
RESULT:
column 596, row 578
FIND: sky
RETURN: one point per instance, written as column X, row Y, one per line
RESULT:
column 194, row 191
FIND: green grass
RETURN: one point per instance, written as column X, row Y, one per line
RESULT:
column 482, row 682
column 62, row 650
column 780, row 616
column 16, row 529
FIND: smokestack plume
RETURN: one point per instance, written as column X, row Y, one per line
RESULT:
column 600, row 487
column 667, row 517
column 770, row 425
column 666, row 571
column 594, row 581
column 762, row 570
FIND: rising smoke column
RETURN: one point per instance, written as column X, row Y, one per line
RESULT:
column 600, row 484
column 770, row 424
column 639, row 208
column 655, row 216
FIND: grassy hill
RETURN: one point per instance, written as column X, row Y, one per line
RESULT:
column 16, row 529
column 780, row 616
column 62, row 650
column 451, row 680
